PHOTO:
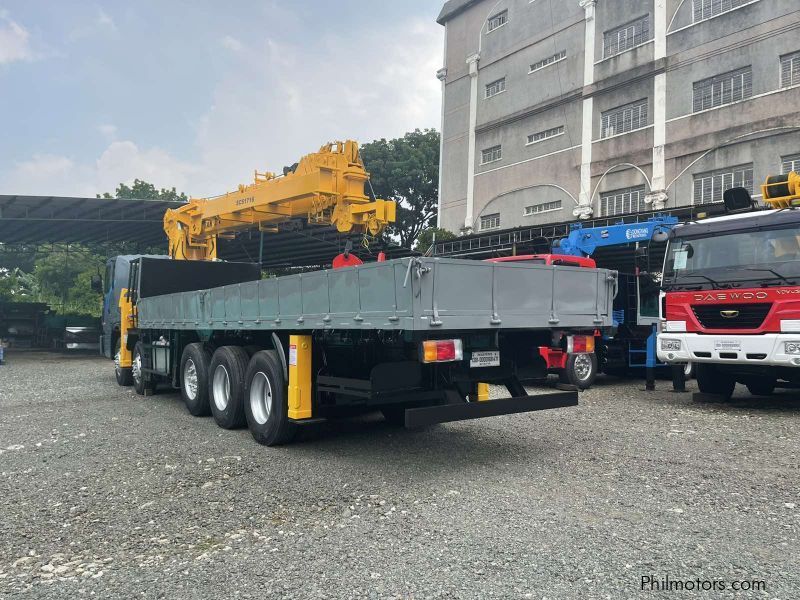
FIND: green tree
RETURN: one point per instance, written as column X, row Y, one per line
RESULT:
column 16, row 286
column 145, row 191
column 63, row 280
column 425, row 238
column 406, row 170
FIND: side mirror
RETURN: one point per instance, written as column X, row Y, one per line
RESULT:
column 97, row 284
column 661, row 235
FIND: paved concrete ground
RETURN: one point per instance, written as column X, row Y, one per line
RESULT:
column 108, row 494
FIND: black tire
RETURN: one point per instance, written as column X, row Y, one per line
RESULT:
column 226, row 386
column 265, row 400
column 711, row 381
column 761, row 387
column 194, row 379
column 580, row 370
column 142, row 382
column 124, row 376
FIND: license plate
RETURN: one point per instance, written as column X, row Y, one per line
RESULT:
column 490, row 358
column 727, row 345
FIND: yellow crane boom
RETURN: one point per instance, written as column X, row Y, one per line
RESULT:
column 326, row 188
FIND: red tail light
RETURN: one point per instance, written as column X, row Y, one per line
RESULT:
column 580, row 343
column 442, row 351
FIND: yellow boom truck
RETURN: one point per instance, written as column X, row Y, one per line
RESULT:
column 417, row 338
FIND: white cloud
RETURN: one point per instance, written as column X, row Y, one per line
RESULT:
column 231, row 43
column 274, row 103
column 120, row 162
column 108, row 130
column 104, row 20
column 280, row 101
column 101, row 24
column 14, row 41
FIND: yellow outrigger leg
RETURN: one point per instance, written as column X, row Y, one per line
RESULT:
column 127, row 322
column 300, row 377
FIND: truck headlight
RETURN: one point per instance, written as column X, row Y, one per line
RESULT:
column 671, row 345
column 792, row 347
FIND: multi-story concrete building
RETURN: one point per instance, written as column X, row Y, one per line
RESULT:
column 557, row 109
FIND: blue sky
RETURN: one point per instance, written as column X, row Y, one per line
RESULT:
column 199, row 94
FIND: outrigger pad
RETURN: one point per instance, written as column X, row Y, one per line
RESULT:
column 446, row 413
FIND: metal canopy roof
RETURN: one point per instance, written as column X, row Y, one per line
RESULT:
column 39, row 220
column 58, row 219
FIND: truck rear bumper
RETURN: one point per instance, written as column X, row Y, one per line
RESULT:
column 767, row 350
column 430, row 415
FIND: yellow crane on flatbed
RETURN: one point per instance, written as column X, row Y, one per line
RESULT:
column 325, row 188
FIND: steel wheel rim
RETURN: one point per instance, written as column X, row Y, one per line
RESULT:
column 221, row 388
column 687, row 369
column 261, row 398
column 136, row 368
column 190, row 379
column 583, row 367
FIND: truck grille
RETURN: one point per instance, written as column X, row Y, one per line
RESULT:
column 743, row 316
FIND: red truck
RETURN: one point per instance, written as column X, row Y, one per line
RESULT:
column 731, row 294
column 571, row 357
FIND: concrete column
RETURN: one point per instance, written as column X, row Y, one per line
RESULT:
column 472, row 61
column 584, row 209
column 657, row 197
column 441, row 75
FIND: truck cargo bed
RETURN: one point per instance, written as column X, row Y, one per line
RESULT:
column 415, row 294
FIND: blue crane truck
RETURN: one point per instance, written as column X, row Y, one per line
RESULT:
column 419, row 339
column 631, row 346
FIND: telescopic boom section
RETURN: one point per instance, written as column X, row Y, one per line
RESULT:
column 325, row 188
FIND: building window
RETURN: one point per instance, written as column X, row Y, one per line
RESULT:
column 624, row 118
column 622, row 202
column 709, row 187
column 705, row 9
column 626, row 37
column 542, row 208
column 546, row 134
column 790, row 69
column 498, row 20
column 723, row 89
column 492, row 154
column 550, row 60
column 490, row 221
column 494, row 88
column 790, row 163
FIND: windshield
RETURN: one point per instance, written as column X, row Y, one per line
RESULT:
column 771, row 257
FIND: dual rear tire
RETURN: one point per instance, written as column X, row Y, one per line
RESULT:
column 226, row 391
column 238, row 389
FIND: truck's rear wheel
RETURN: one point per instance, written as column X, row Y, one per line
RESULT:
column 711, row 381
column 123, row 375
column 266, row 404
column 194, row 379
column 761, row 386
column 227, row 370
column 580, row 370
column 142, row 382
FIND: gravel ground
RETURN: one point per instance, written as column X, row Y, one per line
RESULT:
column 108, row 494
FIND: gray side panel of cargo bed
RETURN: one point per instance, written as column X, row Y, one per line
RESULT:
column 435, row 294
